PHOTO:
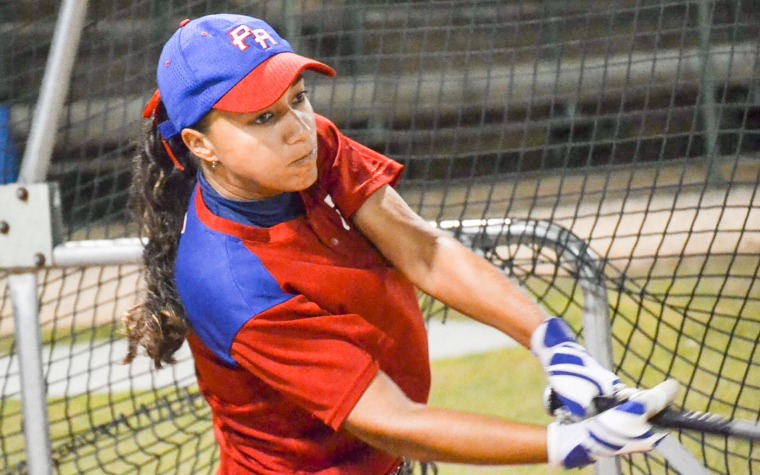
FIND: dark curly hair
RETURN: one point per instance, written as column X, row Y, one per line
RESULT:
column 158, row 199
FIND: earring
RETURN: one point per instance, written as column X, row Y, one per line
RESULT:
column 214, row 165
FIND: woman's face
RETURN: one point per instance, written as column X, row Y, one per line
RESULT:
column 261, row 154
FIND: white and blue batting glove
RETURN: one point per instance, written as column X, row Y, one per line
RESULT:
column 575, row 376
column 621, row 430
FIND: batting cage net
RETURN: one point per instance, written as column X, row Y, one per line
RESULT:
column 630, row 126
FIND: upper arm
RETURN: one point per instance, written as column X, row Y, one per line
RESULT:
column 401, row 235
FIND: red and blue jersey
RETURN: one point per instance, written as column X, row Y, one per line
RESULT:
column 291, row 322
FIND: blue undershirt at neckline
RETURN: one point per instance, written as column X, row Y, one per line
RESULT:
column 263, row 213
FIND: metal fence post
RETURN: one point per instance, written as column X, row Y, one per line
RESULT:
column 55, row 86
column 705, row 9
column 23, row 287
column 23, row 291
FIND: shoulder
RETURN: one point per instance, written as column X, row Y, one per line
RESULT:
column 222, row 284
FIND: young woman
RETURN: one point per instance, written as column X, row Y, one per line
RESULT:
column 278, row 248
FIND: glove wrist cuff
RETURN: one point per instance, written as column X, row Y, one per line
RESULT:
column 550, row 333
column 553, row 452
column 537, row 338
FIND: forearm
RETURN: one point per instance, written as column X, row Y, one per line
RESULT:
column 431, row 434
column 471, row 285
column 387, row 420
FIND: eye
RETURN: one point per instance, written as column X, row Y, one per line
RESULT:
column 263, row 118
column 300, row 97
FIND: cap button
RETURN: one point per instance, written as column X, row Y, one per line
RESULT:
column 184, row 22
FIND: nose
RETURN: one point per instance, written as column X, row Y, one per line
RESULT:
column 300, row 125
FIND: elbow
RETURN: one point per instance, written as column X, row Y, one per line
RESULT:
column 387, row 420
column 397, row 436
column 430, row 273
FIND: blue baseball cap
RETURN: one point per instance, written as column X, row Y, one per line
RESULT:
column 228, row 62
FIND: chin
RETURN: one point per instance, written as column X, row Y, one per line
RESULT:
column 307, row 180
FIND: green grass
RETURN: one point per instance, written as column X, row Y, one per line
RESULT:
column 69, row 335
column 120, row 433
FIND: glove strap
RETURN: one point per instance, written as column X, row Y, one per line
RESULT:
column 552, row 332
column 564, row 448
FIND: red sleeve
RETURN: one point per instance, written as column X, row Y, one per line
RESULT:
column 318, row 361
column 350, row 171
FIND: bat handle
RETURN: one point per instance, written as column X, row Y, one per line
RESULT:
column 667, row 418
column 670, row 418
column 604, row 403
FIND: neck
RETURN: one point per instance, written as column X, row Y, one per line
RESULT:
column 229, row 190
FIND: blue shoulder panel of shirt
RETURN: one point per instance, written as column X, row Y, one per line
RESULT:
column 222, row 285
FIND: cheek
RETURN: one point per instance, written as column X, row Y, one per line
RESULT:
column 245, row 156
column 262, row 169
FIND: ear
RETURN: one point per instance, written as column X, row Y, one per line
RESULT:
column 199, row 144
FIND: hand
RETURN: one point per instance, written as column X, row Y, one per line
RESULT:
column 621, row 430
column 573, row 374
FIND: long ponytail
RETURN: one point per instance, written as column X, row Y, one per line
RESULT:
column 160, row 190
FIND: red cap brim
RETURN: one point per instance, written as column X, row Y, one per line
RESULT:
column 263, row 86
column 150, row 107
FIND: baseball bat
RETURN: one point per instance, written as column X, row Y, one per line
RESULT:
column 681, row 419
column 674, row 418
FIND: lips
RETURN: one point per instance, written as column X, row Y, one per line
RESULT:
column 306, row 158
